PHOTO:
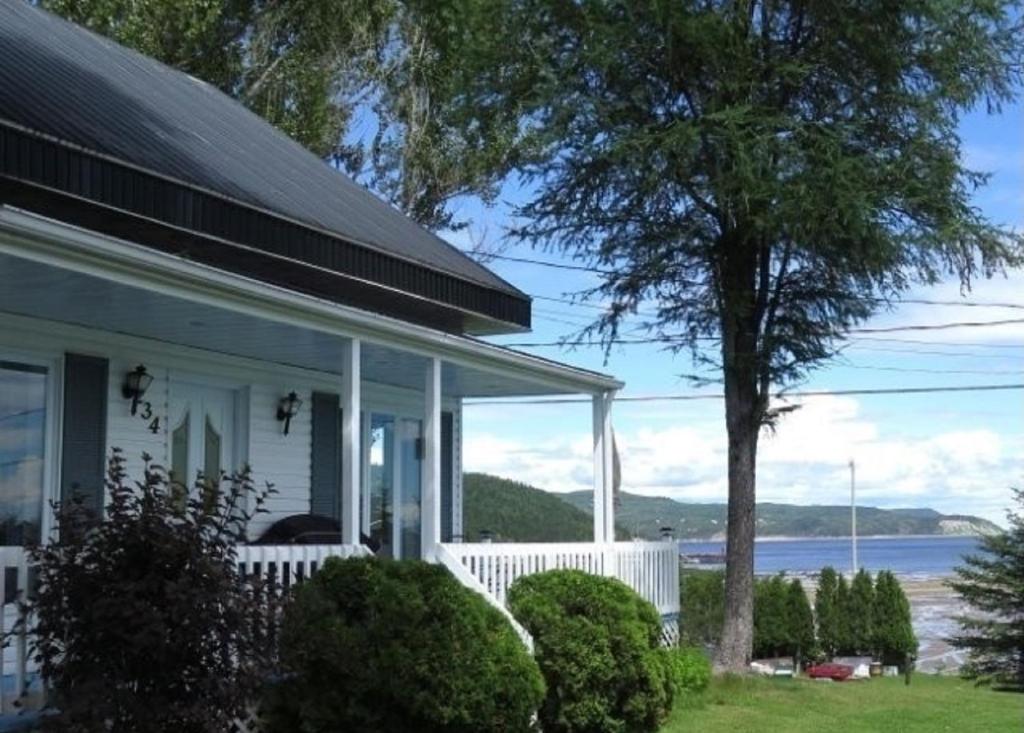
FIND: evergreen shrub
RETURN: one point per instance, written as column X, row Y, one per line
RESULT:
column 396, row 646
column 598, row 645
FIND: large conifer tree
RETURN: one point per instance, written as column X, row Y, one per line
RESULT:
column 800, row 622
column 826, row 611
column 894, row 639
column 992, row 581
column 860, row 614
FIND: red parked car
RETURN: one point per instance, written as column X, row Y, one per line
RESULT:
column 837, row 672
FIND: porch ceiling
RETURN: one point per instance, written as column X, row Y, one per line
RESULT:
column 42, row 290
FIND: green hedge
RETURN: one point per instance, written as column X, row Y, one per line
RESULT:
column 399, row 646
column 598, row 646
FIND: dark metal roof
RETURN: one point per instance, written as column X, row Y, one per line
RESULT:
column 87, row 118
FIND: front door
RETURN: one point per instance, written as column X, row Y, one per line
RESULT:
column 201, row 422
column 391, row 489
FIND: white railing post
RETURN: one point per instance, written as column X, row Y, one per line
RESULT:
column 431, row 486
column 351, row 434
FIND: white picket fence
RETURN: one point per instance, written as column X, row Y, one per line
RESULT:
column 649, row 568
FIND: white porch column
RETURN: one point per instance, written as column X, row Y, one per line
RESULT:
column 431, row 488
column 600, row 469
column 351, row 437
column 608, row 443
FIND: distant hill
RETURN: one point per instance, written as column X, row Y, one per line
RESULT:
column 515, row 512
column 645, row 515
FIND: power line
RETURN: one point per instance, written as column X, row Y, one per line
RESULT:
column 602, row 271
column 1013, row 372
column 900, row 301
column 974, row 344
column 855, row 346
column 528, row 261
column 683, row 339
column 781, row 395
column 931, row 352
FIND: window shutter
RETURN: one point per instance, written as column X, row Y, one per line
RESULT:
column 325, row 479
column 84, row 442
column 447, row 467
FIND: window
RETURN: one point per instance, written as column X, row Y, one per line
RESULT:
column 22, row 451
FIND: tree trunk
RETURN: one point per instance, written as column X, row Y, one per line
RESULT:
column 738, row 632
column 740, row 370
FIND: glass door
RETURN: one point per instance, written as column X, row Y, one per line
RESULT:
column 201, row 424
column 409, row 495
column 392, row 486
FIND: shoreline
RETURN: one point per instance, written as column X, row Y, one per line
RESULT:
column 787, row 538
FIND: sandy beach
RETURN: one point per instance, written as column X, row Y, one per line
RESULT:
column 934, row 607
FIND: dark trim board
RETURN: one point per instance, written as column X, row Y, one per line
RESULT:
column 61, row 182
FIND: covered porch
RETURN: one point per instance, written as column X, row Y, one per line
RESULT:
column 375, row 441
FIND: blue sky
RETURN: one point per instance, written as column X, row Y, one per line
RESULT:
column 953, row 452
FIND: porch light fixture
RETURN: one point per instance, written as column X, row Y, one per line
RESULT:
column 288, row 408
column 136, row 382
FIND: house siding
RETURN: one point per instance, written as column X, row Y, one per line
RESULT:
column 284, row 461
column 281, row 460
column 130, row 433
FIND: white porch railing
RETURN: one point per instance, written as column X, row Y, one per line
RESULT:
column 17, row 668
column 649, row 568
column 291, row 564
column 286, row 564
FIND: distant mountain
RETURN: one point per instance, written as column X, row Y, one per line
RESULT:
column 516, row 512
column 644, row 515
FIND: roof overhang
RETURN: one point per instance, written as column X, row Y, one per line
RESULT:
column 59, row 180
column 30, row 237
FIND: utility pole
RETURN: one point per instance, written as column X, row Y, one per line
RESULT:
column 853, row 512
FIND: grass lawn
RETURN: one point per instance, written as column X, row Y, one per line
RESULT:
column 930, row 705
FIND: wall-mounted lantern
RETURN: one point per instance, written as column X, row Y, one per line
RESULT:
column 288, row 408
column 136, row 382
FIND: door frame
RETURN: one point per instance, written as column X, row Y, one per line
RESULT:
column 391, row 405
column 238, row 455
column 52, row 427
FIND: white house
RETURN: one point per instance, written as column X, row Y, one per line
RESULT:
column 148, row 221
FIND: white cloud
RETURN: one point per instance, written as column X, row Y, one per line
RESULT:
column 806, row 461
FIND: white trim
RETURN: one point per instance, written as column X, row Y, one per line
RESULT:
column 60, row 245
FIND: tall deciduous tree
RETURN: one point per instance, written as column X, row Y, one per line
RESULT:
column 316, row 67
column 762, row 174
column 992, row 582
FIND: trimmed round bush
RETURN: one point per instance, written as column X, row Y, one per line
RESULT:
column 691, row 670
column 388, row 646
column 598, row 646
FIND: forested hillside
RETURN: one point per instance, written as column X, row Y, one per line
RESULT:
column 515, row 512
